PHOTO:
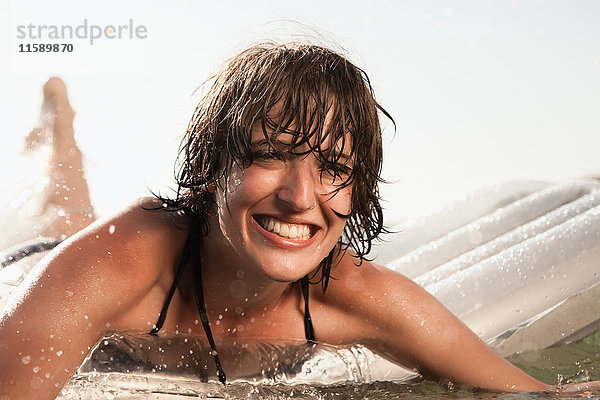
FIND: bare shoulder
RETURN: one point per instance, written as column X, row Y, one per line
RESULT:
column 381, row 305
column 75, row 295
column 370, row 286
column 142, row 231
column 121, row 255
column 143, row 218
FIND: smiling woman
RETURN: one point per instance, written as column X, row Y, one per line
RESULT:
column 277, row 190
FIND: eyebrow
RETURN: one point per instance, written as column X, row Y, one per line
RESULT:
column 344, row 158
column 265, row 143
column 259, row 143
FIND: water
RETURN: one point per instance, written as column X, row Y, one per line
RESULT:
column 374, row 391
column 286, row 361
column 97, row 387
column 574, row 362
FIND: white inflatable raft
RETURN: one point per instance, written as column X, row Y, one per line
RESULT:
column 519, row 263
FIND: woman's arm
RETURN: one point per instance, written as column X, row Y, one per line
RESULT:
column 405, row 323
column 68, row 302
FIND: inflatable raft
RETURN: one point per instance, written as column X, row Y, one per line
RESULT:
column 519, row 263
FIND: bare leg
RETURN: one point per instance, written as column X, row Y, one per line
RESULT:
column 67, row 189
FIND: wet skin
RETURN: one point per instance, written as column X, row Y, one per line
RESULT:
column 276, row 217
column 249, row 272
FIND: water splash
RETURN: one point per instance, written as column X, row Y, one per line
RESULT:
column 254, row 361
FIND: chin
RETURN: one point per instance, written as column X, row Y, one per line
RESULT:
column 286, row 274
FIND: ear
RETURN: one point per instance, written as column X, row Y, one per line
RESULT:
column 211, row 186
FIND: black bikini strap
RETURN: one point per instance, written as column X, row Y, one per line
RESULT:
column 201, row 305
column 308, row 326
column 180, row 268
column 27, row 249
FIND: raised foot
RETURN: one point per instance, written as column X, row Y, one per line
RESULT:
column 55, row 93
column 57, row 117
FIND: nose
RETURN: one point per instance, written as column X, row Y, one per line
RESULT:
column 298, row 186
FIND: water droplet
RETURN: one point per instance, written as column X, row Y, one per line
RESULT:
column 36, row 369
column 26, row 359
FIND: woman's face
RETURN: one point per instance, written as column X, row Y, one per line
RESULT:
column 278, row 215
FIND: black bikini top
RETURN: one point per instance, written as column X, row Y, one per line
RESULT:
column 200, row 304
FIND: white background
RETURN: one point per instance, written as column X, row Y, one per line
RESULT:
column 481, row 91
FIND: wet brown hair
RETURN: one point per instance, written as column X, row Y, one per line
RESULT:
column 304, row 84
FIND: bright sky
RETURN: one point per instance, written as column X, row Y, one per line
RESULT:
column 482, row 91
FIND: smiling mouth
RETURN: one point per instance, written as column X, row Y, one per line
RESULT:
column 284, row 229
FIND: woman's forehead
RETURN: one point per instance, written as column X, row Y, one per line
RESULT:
column 317, row 133
column 265, row 135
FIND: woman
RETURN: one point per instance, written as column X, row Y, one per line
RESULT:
column 277, row 192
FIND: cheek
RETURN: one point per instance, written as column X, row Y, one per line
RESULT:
column 243, row 189
column 342, row 202
column 227, row 197
column 231, row 191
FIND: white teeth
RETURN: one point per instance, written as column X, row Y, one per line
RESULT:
column 291, row 231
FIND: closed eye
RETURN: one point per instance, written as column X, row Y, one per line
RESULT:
column 268, row 155
column 336, row 172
